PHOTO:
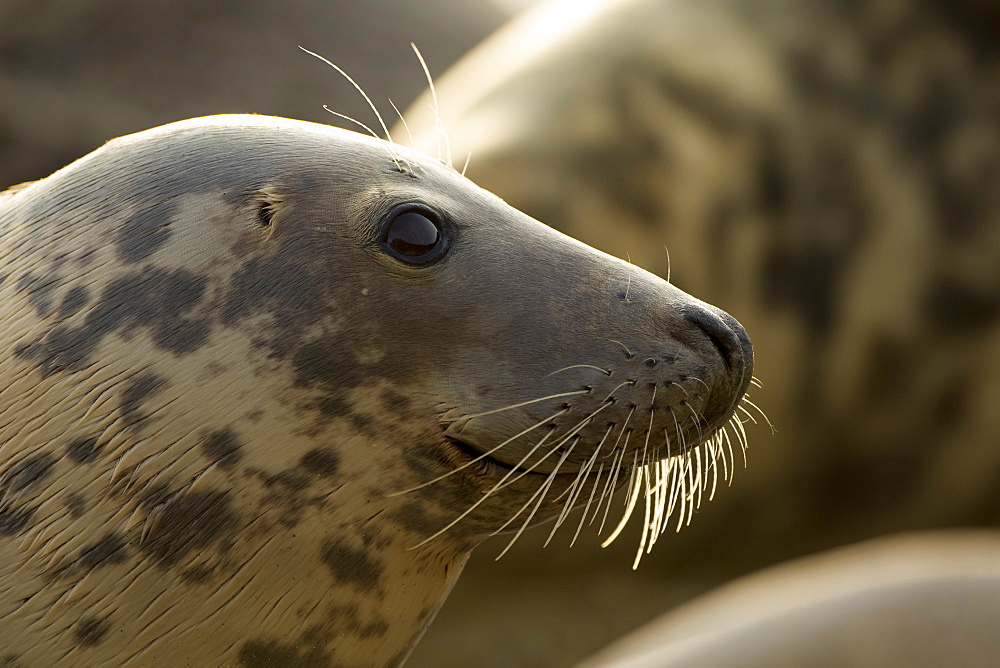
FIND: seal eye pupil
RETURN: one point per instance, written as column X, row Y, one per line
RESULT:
column 413, row 237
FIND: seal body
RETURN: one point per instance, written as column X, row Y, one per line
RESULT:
column 920, row 599
column 254, row 369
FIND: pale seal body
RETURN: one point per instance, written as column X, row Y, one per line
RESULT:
column 922, row 599
column 223, row 355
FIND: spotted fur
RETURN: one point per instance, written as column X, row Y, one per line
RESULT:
column 232, row 427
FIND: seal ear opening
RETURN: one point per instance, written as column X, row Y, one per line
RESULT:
column 267, row 203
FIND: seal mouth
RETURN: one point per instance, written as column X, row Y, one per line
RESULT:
column 487, row 465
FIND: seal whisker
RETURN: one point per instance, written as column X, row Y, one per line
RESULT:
column 574, row 490
column 354, row 83
column 654, row 493
column 713, row 450
column 681, row 388
column 677, row 430
column 468, row 159
column 597, row 451
column 628, row 283
column 438, row 124
column 742, row 437
column 544, row 490
column 522, row 404
column 579, row 483
column 696, row 418
column 586, row 508
column 699, row 380
column 403, row 121
column 644, row 476
column 609, row 485
column 627, row 351
column 746, row 400
column 665, row 250
column 579, row 366
column 483, row 498
column 750, row 417
column 675, row 485
column 695, row 486
column 392, row 155
column 699, row 479
column 731, row 468
column 636, row 482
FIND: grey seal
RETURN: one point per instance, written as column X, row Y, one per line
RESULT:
column 266, row 383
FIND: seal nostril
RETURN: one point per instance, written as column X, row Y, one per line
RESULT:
column 722, row 337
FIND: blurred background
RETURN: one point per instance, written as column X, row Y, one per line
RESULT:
column 829, row 173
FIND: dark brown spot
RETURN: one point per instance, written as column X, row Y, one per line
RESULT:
column 346, row 619
column 83, row 449
column 73, row 301
column 396, row 401
column 27, row 473
column 91, row 630
column 352, row 566
column 13, row 520
column 291, row 480
column 320, row 462
column 147, row 230
column 154, row 496
column 108, row 550
column 76, row 503
column 135, row 392
column 38, row 291
column 155, row 299
column 223, row 447
column 188, row 522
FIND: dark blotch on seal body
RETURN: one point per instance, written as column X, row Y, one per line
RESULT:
column 258, row 354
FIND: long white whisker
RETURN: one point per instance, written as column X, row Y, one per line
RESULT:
column 633, row 495
column 586, row 509
column 578, row 485
column 579, row 366
column 403, row 121
column 524, row 403
column 354, row 83
column 746, row 400
column 392, row 155
column 544, row 490
column 439, row 125
column 617, row 465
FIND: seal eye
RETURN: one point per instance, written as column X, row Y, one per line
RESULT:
column 414, row 237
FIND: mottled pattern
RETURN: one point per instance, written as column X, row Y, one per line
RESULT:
column 216, row 383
